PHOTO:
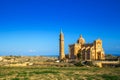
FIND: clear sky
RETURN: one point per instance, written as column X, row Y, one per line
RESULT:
column 32, row 27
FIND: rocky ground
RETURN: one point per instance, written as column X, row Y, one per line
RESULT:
column 25, row 60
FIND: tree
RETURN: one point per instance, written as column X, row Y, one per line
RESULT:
column 79, row 55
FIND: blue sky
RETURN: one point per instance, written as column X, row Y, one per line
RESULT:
column 32, row 27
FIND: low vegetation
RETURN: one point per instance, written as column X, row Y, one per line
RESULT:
column 59, row 73
column 46, row 68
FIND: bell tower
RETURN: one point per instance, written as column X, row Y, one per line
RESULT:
column 61, row 46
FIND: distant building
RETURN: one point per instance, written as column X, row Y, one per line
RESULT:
column 90, row 51
column 61, row 46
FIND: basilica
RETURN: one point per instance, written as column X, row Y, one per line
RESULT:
column 88, row 51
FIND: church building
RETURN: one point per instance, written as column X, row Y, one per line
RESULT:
column 89, row 51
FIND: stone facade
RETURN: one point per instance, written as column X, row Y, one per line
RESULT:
column 89, row 51
column 61, row 46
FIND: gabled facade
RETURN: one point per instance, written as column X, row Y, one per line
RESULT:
column 90, row 51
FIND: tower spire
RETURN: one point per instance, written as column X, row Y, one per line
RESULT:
column 61, row 46
column 61, row 31
column 81, row 35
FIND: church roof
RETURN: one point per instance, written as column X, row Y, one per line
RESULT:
column 88, row 45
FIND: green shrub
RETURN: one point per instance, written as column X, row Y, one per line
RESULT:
column 78, row 64
column 110, row 77
column 44, row 72
column 15, row 79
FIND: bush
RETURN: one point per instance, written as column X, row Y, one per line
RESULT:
column 78, row 64
column 110, row 77
column 15, row 79
column 89, row 63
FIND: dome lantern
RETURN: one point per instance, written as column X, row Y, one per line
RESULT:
column 81, row 40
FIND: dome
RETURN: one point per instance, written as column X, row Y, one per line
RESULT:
column 81, row 40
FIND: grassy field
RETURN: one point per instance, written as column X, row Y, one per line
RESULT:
column 59, row 73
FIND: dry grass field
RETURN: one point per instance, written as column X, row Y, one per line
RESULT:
column 59, row 73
